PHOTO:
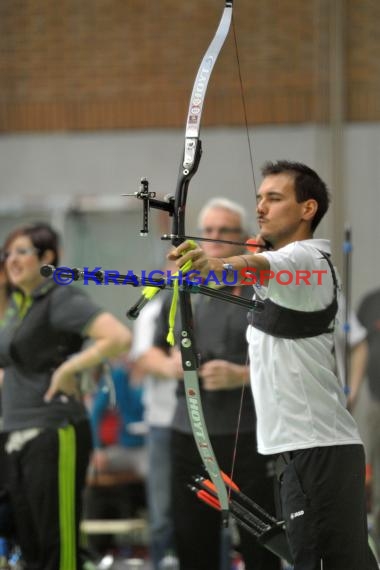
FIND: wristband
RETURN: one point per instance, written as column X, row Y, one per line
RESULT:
column 228, row 267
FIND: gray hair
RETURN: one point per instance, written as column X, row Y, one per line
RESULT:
column 226, row 204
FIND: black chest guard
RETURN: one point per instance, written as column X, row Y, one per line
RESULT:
column 289, row 323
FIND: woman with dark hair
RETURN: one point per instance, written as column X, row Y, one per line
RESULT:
column 49, row 438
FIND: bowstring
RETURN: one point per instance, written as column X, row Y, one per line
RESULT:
column 250, row 151
column 244, row 106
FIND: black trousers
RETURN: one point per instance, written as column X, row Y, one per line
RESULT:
column 6, row 517
column 46, row 479
column 198, row 526
column 323, row 504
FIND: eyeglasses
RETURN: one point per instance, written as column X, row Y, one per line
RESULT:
column 223, row 231
column 19, row 251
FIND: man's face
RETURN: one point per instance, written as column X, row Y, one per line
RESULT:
column 219, row 223
column 279, row 215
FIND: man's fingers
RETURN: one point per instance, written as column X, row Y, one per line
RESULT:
column 261, row 241
column 180, row 251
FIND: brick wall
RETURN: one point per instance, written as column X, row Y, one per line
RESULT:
column 363, row 60
column 105, row 64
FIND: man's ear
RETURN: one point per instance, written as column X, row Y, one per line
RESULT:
column 310, row 208
column 47, row 257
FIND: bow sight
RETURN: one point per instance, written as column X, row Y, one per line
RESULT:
column 150, row 201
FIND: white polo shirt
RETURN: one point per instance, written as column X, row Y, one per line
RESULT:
column 159, row 393
column 300, row 402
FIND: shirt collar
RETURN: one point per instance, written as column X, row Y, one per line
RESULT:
column 322, row 244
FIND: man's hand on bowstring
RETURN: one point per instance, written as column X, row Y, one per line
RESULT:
column 255, row 248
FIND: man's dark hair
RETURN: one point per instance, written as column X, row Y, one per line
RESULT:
column 307, row 185
column 42, row 236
